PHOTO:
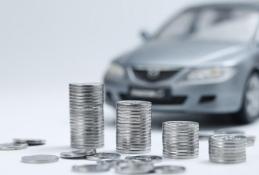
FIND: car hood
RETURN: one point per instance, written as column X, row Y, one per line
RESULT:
column 181, row 53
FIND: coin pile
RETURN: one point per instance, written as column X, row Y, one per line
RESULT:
column 225, row 148
column 180, row 139
column 86, row 116
column 133, row 127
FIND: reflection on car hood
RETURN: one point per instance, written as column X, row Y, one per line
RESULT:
column 180, row 53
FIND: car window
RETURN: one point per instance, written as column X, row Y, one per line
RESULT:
column 235, row 25
column 181, row 26
column 212, row 23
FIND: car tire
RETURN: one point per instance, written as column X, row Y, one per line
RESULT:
column 249, row 111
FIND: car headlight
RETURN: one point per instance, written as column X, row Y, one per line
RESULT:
column 115, row 71
column 209, row 74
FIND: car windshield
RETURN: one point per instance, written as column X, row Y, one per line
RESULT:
column 222, row 23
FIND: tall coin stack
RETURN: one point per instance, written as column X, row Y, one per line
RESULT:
column 86, row 115
column 225, row 148
column 180, row 139
column 133, row 127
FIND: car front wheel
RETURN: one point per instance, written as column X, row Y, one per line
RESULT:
column 250, row 108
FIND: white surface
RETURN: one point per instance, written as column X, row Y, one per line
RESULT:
column 46, row 44
column 49, row 124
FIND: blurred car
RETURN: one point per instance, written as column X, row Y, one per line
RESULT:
column 204, row 60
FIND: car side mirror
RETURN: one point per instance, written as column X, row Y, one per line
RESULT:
column 145, row 35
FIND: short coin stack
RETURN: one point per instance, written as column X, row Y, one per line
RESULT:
column 225, row 148
column 86, row 115
column 133, row 127
column 180, row 139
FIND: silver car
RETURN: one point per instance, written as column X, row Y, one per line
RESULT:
column 204, row 60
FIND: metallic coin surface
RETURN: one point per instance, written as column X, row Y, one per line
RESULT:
column 229, row 131
column 90, row 168
column 250, row 139
column 104, row 156
column 86, row 115
column 39, row 159
column 111, row 163
column 72, row 155
column 180, row 139
column 227, row 148
column 30, row 142
column 169, row 169
column 12, row 146
column 134, row 167
column 87, row 152
column 133, row 127
column 146, row 158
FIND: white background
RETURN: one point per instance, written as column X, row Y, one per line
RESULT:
column 46, row 44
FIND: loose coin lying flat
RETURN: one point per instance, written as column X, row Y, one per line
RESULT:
column 110, row 163
column 30, row 142
column 134, row 167
column 169, row 169
column 12, row 146
column 91, row 168
column 146, row 158
column 103, row 156
column 39, row 159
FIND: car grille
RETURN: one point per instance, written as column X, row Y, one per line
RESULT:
column 173, row 100
column 150, row 76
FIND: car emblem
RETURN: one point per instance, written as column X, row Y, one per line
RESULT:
column 153, row 73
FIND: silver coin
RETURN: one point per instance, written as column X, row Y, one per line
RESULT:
column 12, row 146
column 91, row 168
column 134, row 167
column 72, row 155
column 229, row 131
column 30, row 142
column 111, row 163
column 104, row 156
column 169, row 169
column 39, row 159
column 87, row 152
column 146, row 158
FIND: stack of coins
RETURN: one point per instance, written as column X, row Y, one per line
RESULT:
column 86, row 116
column 133, row 127
column 180, row 139
column 225, row 148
